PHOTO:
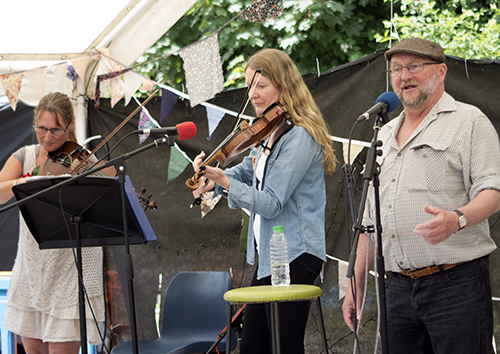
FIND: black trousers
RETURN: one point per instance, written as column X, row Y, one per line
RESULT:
column 256, row 336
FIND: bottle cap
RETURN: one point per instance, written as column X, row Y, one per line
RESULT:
column 277, row 228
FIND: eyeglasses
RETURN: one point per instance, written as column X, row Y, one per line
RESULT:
column 412, row 68
column 53, row 131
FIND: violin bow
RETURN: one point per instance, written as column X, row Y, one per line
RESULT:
column 105, row 140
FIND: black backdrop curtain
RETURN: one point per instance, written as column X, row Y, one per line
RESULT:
column 188, row 242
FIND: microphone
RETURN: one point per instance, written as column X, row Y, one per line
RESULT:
column 184, row 130
column 386, row 102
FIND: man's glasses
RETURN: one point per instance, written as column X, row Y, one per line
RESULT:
column 412, row 68
column 53, row 131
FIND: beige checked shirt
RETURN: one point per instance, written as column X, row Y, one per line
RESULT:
column 452, row 156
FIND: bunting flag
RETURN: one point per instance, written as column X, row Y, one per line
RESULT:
column 132, row 81
column 203, row 69
column 147, row 85
column 72, row 75
column 355, row 150
column 343, row 280
column 117, row 90
column 178, row 162
column 80, row 65
column 62, row 82
column 208, row 202
column 37, row 79
column 261, row 10
column 214, row 116
column 168, row 101
column 145, row 123
column 12, row 86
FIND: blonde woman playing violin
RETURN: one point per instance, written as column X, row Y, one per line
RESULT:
column 281, row 183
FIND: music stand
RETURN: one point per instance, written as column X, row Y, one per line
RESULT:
column 92, row 205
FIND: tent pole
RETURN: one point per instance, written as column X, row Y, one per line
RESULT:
column 81, row 113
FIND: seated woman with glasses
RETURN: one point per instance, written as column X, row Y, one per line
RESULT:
column 42, row 305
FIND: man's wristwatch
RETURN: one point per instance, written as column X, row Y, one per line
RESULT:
column 462, row 220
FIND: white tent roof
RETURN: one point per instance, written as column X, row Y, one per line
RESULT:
column 43, row 33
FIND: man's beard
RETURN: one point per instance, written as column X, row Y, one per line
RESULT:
column 424, row 92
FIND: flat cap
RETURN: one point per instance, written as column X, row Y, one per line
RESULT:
column 418, row 46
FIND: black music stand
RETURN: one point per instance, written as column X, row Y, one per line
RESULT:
column 93, row 205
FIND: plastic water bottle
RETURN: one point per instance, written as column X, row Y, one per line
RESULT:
column 280, row 267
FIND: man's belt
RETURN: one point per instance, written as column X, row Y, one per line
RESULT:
column 419, row 273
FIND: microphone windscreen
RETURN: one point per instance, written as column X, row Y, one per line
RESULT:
column 390, row 98
column 186, row 130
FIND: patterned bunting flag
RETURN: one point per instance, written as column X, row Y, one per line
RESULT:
column 168, row 101
column 261, row 10
column 203, row 69
column 117, row 90
column 214, row 116
column 145, row 123
column 12, row 86
column 37, row 79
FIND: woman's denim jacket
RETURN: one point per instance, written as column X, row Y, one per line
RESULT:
column 293, row 195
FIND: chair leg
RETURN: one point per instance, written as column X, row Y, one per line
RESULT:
column 228, row 329
column 275, row 328
column 322, row 325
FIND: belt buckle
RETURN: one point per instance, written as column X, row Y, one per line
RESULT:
column 412, row 274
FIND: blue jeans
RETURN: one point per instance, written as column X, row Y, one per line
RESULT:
column 448, row 312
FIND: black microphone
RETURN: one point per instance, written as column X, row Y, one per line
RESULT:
column 386, row 102
column 184, row 131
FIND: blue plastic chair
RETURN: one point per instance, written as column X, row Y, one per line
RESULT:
column 194, row 313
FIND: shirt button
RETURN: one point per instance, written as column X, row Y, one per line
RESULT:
column 393, row 236
column 401, row 263
column 393, row 180
column 399, row 154
column 390, row 206
column 424, row 156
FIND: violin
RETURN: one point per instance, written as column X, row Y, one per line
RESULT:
column 72, row 159
column 245, row 137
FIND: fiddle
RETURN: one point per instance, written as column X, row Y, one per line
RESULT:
column 72, row 159
column 245, row 137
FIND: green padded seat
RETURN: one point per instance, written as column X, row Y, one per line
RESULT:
column 274, row 295
column 269, row 293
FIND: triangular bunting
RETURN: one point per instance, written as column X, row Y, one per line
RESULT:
column 60, row 78
column 177, row 164
column 145, row 123
column 203, row 69
column 355, row 150
column 80, row 65
column 214, row 116
column 168, row 101
column 117, row 90
column 37, row 79
column 12, row 86
column 132, row 82
column 147, row 85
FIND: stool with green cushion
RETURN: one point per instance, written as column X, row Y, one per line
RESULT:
column 274, row 295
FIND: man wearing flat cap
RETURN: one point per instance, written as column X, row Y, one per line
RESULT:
column 439, row 183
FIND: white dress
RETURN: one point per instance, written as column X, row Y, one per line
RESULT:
column 42, row 300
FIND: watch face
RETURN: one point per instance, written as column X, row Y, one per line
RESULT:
column 462, row 221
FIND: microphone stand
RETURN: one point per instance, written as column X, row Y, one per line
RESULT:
column 371, row 173
column 119, row 164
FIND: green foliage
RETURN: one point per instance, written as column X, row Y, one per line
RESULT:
column 465, row 29
column 318, row 35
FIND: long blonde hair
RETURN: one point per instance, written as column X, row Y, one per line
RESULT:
column 60, row 106
column 296, row 98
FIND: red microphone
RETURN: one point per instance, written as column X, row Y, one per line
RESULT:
column 184, row 130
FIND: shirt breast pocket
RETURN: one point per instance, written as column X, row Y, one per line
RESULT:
column 427, row 168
